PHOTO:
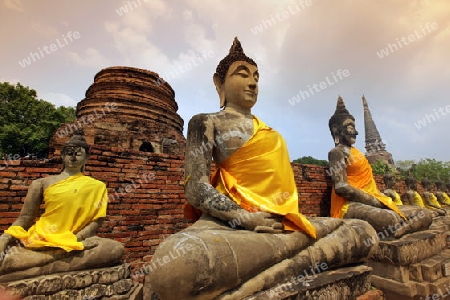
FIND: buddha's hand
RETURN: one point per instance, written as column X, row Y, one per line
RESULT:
column 377, row 203
column 263, row 222
column 90, row 243
column 4, row 241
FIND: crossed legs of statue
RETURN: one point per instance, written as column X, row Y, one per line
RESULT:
column 25, row 263
column 387, row 223
column 210, row 259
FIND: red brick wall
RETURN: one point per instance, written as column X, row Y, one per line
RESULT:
column 145, row 194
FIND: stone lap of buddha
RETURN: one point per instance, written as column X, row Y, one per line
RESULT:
column 248, row 238
column 63, row 238
column 355, row 194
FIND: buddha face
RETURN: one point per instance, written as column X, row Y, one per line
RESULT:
column 240, row 87
column 74, row 158
column 389, row 182
column 348, row 133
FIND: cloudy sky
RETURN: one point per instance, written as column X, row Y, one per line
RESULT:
column 308, row 52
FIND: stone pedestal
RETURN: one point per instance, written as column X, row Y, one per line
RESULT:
column 413, row 267
column 112, row 283
column 342, row 284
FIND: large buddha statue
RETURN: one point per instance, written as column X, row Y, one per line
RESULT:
column 355, row 194
column 64, row 237
column 389, row 182
column 250, row 234
column 441, row 195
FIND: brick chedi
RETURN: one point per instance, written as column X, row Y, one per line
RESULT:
column 127, row 108
column 375, row 148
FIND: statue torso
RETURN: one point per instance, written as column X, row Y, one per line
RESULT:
column 230, row 132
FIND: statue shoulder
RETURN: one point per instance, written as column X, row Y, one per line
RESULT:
column 336, row 154
column 204, row 121
column 96, row 182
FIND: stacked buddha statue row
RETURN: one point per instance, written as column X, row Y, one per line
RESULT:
column 410, row 258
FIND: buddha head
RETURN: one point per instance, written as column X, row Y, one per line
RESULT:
column 236, row 78
column 447, row 187
column 427, row 184
column 411, row 183
column 439, row 185
column 389, row 179
column 342, row 125
column 75, row 151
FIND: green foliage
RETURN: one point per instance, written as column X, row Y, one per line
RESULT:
column 26, row 122
column 429, row 168
column 311, row 161
column 379, row 168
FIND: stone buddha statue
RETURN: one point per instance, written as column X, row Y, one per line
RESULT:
column 389, row 182
column 430, row 200
column 250, row 235
column 64, row 237
column 412, row 197
column 441, row 195
column 355, row 194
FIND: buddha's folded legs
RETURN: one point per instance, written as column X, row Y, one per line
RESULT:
column 29, row 262
column 387, row 222
column 210, row 259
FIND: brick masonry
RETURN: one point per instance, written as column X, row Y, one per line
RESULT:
column 145, row 194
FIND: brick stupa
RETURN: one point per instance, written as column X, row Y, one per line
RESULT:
column 128, row 108
column 375, row 147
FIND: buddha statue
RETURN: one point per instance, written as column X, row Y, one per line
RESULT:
column 355, row 194
column 441, row 195
column 430, row 200
column 64, row 237
column 249, row 235
column 412, row 197
column 389, row 182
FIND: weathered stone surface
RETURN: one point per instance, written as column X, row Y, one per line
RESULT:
column 340, row 284
column 387, row 270
column 411, row 248
column 128, row 108
column 50, row 285
column 423, row 288
column 103, row 283
column 441, row 286
column 407, row 289
column 343, row 283
column 431, row 269
column 415, row 272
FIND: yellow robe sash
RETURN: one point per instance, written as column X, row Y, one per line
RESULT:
column 259, row 177
column 397, row 200
column 433, row 201
column 446, row 199
column 359, row 175
column 70, row 205
column 417, row 200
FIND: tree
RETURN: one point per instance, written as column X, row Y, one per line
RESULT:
column 311, row 161
column 379, row 168
column 427, row 167
column 26, row 122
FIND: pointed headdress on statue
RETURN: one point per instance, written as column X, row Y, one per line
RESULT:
column 338, row 118
column 236, row 54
